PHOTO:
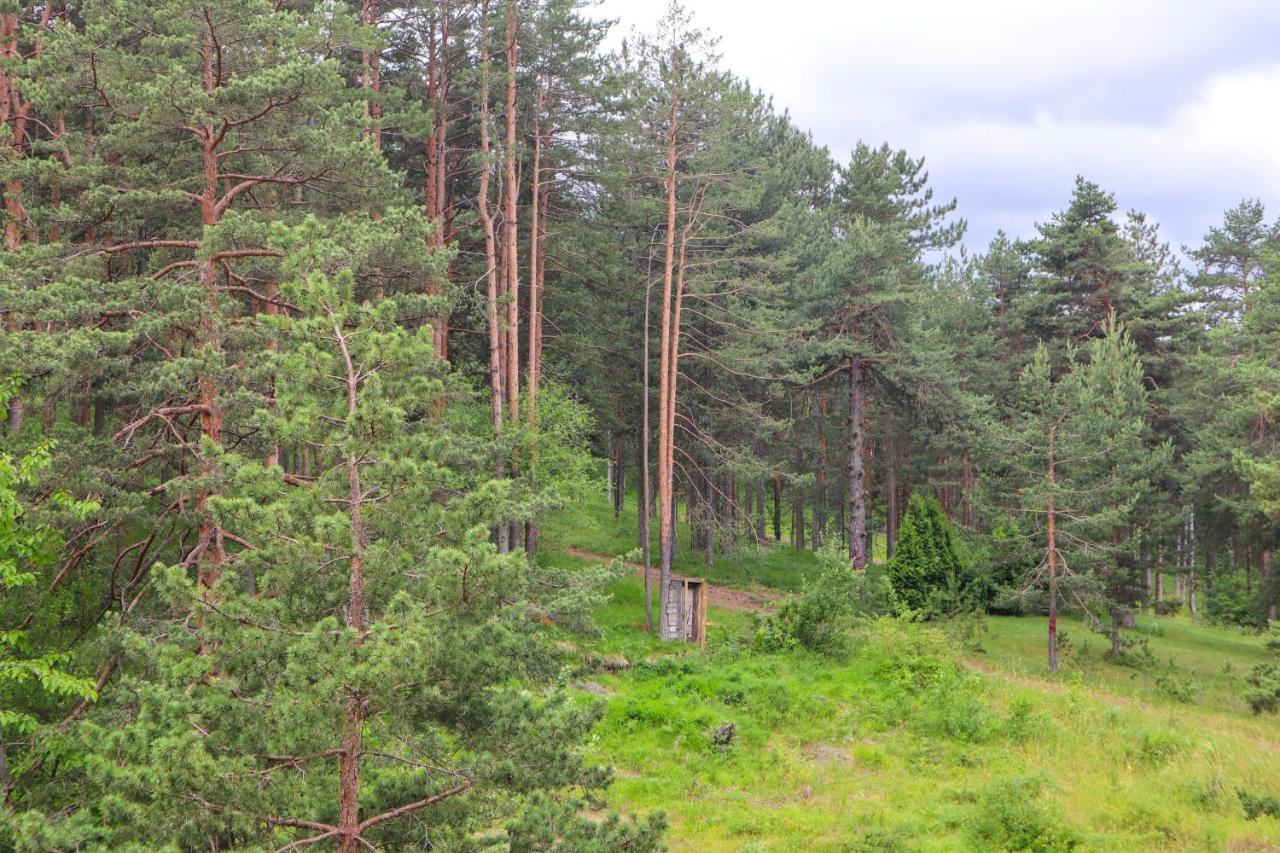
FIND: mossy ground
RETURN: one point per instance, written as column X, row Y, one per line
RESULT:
column 923, row 738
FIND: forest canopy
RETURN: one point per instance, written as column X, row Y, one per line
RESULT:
column 314, row 313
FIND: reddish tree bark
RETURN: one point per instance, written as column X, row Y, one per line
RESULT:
column 511, row 223
column 496, row 338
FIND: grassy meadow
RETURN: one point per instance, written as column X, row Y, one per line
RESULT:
column 947, row 737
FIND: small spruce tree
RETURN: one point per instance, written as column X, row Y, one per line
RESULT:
column 926, row 572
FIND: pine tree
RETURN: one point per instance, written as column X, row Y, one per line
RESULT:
column 394, row 668
column 1079, row 468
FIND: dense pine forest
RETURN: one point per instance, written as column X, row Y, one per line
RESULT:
column 376, row 374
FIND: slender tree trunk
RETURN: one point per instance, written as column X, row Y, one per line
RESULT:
column 798, row 534
column 510, row 224
column 708, row 521
column 891, row 492
column 666, row 393
column 619, row 484
column 437, row 160
column 759, row 512
column 355, row 712
column 371, row 76
column 212, row 552
column 777, row 506
column 819, row 529
column 1269, row 584
column 1052, row 555
column 15, row 114
column 646, row 486
column 496, row 368
column 857, row 516
column 536, row 225
column 534, row 369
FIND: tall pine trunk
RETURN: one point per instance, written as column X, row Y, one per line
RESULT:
column 496, row 370
column 856, row 520
column 1052, row 555
column 666, row 391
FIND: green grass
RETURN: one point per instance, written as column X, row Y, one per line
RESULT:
column 1209, row 659
column 591, row 526
column 916, row 741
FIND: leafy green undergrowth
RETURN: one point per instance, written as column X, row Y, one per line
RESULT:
column 902, row 744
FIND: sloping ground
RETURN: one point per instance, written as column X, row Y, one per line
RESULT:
column 921, row 739
column 847, row 755
column 761, row 599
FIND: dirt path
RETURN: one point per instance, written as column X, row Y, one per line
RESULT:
column 730, row 598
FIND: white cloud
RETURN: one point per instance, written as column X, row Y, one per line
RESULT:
column 1168, row 104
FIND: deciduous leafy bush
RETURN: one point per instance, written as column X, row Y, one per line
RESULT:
column 820, row 617
column 29, row 672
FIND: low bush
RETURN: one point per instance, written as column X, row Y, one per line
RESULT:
column 1258, row 805
column 1155, row 746
column 1011, row 815
column 1233, row 600
column 1262, row 688
column 1177, row 686
column 819, row 619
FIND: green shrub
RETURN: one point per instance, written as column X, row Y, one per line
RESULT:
column 1011, row 816
column 968, row 630
column 820, row 617
column 1258, row 805
column 1262, row 688
column 879, row 840
column 1149, row 629
column 1023, row 721
column 1012, row 557
column 1234, row 600
column 1167, row 607
column 1176, row 685
column 907, row 654
column 1155, row 746
column 952, row 708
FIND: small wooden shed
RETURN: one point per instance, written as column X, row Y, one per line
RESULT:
column 686, row 611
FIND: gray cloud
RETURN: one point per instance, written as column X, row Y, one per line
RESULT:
column 1167, row 104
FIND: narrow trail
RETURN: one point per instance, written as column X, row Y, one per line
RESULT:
column 759, row 599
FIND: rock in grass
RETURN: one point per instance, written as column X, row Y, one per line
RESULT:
column 724, row 735
column 593, row 687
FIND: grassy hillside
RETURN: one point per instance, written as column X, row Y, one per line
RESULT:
column 924, row 738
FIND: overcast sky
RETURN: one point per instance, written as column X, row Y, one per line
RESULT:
column 1172, row 105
